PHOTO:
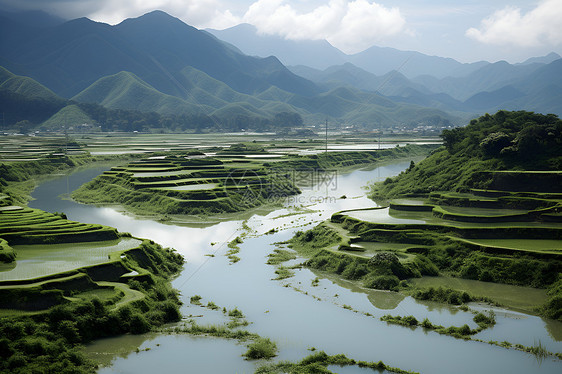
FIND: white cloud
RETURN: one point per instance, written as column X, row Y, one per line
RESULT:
column 540, row 26
column 349, row 25
column 198, row 13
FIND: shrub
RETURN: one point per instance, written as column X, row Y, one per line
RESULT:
column 170, row 311
column 383, row 282
column 69, row 331
column 410, row 320
column 261, row 348
column 139, row 324
column 469, row 271
column 383, row 259
column 485, row 321
column 236, row 313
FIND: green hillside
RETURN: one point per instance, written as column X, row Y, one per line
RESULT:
column 5, row 74
column 125, row 90
column 503, row 141
column 200, row 87
column 68, row 116
column 24, row 86
column 25, row 102
column 205, row 95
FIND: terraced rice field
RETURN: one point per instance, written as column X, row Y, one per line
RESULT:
column 52, row 253
column 22, row 147
column 418, row 202
column 516, row 216
column 540, row 245
column 32, row 226
column 471, row 211
column 192, row 187
column 399, row 217
column 29, row 148
column 41, row 260
column 187, row 185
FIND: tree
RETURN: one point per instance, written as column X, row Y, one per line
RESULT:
column 493, row 144
column 452, row 137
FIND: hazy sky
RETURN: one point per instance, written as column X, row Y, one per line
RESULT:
column 465, row 30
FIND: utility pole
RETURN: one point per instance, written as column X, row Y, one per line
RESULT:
column 326, row 137
column 66, row 134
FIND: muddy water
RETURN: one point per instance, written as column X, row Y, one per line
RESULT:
column 293, row 312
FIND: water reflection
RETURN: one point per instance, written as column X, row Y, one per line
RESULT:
column 385, row 300
column 294, row 319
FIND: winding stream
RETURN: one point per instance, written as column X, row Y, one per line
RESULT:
column 293, row 312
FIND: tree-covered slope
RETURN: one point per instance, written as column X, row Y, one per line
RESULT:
column 202, row 94
column 503, row 141
column 125, row 90
column 69, row 116
column 25, row 86
column 26, row 101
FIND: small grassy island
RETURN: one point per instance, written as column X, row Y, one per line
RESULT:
column 485, row 208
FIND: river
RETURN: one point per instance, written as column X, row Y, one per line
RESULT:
column 294, row 313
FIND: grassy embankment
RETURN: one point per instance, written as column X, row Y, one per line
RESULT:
column 45, row 316
column 427, row 232
column 237, row 178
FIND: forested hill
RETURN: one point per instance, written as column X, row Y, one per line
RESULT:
column 503, row 141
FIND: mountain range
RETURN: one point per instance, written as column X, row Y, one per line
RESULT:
column 319, row 54
column 412, row 77
column 157, row 63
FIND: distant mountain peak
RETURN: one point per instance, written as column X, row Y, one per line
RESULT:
column 156, row 18
column 552, row 56
column 159, row 15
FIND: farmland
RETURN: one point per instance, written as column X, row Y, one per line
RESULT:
column 239, row 177
column 436, row 260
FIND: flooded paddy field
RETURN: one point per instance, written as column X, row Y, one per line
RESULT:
column 306, row 312
column 23, row 147
column 40, row 260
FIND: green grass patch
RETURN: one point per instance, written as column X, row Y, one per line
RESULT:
column 283, row 272
column 518, row 297
column 279, row 256
column 319, row 362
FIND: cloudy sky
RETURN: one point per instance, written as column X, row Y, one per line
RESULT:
column 468, row 31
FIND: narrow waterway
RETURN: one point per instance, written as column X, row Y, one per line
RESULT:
column 293, row 312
